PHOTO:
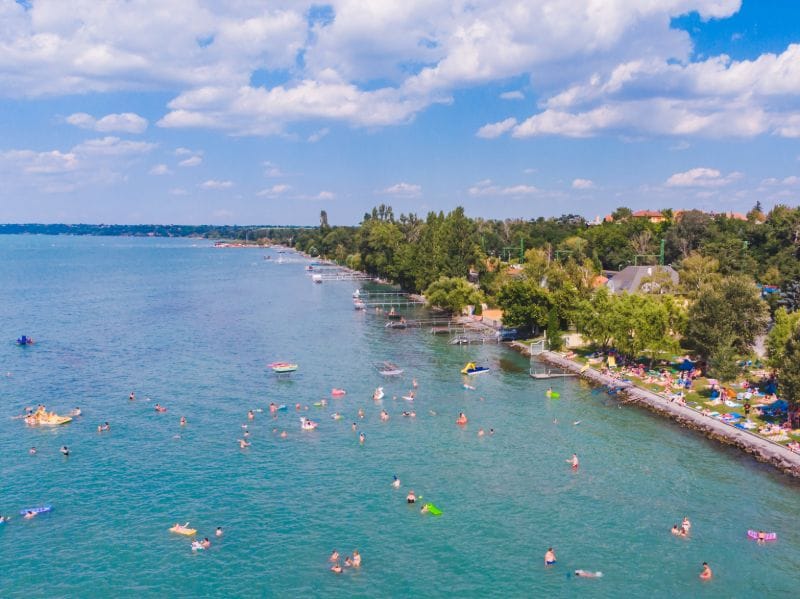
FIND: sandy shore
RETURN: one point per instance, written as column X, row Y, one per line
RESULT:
column 760, row 448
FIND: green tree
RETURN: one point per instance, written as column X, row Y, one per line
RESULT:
column 594, row 318
column 696, row 270
column 789, row 376
column 554, row 340
column 779, row 334
column 452, row 294
column 725, row 320
column 524, row 304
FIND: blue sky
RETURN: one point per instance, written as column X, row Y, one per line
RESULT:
column 253, row 112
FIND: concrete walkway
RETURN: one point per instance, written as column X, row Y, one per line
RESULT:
column 762, row 449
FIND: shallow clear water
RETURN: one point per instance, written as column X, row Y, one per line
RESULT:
column 193, row 327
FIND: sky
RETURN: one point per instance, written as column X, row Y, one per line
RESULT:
column 267, row 112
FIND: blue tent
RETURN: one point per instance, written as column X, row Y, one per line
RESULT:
column 686, row 365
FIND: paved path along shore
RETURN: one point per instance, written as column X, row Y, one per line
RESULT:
column 762, row 449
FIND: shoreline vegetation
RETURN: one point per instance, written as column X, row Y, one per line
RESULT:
column 721, row 289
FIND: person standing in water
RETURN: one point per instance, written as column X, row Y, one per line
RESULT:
column 549, row 557
column 574, row 461
column 706, row 574
column 686, row 525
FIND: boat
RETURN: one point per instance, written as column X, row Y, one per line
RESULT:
column 283, row 367
column 357, row 294
column 389, row 369
column 459, row 341
column 470, row 369
column 396, row 324
column 359, row 305
column 25, row 340
column 316, row 278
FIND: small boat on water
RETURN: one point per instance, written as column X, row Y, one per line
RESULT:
column 25, row 340
column 283, row 367
column 470, row 369
column 396, row 324
column 316, row 278
column 549, row 374
column 389, row 369
column 357, row 294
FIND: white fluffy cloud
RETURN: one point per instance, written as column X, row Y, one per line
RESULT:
column 274, row 191
column 488, row 188
column 94, row 161
column 216, row 184
column 492, row 130
column 702, row 177
column 191, row 161
column 582, row 184
column 126, row 122
column 597, row 67
column 160, row 169
column 403, row 190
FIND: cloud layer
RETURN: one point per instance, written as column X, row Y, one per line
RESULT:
column 243, row 67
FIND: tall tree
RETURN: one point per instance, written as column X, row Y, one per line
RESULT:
column 789, row 376
column 524, row 304
column 452, row 294
column 725, row 320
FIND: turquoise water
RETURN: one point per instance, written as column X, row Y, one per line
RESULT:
column 192, row 327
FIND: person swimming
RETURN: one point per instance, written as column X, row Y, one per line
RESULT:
column 132, row 396
column 396, row 482
column 284, row 434
column 481, row 433
column 574, row 461
column 244, row 443
column 183, row 420
column 348, row 562
column 676, row 531
column 32, row 451
column 273, row 408
column 251, row 415
column 686, row 525
column 29, row 514
column 336, row 568
column 64, row 451
column 706, row 574
column 360, row 413
column 462, row 419
column 334, row 556
column 549, row 557
column 384, row 416
column 411, row 498
column 587, row 574
column 361, row 438
column 356, row 559
column 218, row 531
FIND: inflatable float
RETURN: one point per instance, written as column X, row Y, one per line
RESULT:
column 470, row 369
column 432, row 509
column 197, row 546
column 183, row 530
column 308, row 425
column 768, row 536
column 41, row 417
column 552, row 394
column 42, row 509
column 338, row 392
column 283, row 367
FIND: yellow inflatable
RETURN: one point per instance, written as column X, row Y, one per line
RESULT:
column 183, row 530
